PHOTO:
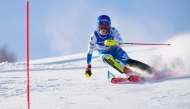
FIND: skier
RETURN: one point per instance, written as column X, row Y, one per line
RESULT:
column 105, row 39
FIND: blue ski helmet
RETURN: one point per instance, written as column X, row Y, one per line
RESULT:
column 104, row 20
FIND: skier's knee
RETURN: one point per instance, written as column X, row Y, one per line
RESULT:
column 104, row 57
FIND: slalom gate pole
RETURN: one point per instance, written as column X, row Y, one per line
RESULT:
column 27, row 53
column 145, row 44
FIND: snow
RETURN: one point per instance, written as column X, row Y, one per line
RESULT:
column 59, row 82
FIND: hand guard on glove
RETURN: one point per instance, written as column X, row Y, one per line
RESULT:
column 110, row 42
column 88, row 72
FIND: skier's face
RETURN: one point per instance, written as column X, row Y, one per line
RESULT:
column 103, row 29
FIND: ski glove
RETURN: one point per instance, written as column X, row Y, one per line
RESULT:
column 88, row 71
column 110, row 42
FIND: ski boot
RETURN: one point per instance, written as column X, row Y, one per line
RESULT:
column 129, row 72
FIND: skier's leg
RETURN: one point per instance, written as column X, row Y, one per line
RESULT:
column 140, row 65
column 108, row 59
column 123, row 57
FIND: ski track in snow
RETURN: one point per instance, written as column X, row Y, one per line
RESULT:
column 59, row 83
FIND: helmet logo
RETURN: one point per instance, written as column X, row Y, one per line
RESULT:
column 104, row 20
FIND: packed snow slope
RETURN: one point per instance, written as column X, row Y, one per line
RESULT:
column 59, row 83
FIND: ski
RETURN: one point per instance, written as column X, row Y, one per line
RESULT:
column 134, row 78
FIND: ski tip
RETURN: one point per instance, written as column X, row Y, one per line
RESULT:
column 114, row 80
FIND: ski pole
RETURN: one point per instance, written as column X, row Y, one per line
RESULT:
column 112, row 42
column 144, row 44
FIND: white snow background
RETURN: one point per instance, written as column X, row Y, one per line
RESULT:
column 59, row 82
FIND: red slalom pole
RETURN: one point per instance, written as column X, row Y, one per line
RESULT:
column 27, row 53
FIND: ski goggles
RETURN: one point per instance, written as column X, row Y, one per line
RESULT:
column 103, row 27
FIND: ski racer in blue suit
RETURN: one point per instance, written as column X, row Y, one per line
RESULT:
column 106, row 39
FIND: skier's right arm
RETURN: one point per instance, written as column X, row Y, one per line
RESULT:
column 91, row 45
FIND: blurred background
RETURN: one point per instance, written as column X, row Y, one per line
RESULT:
column 63, row 27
